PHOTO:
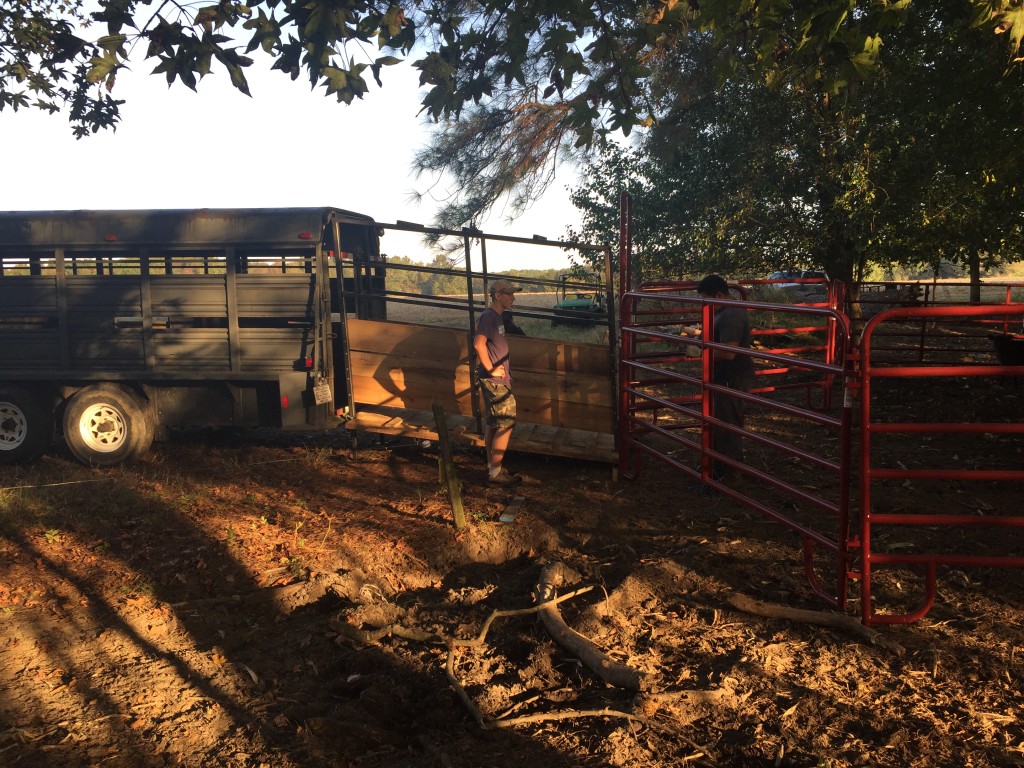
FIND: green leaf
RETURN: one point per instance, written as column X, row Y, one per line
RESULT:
column 101, row 67
column 208, row 17
column 1012, row 22
column 113, row 44
column 266, row 33
column 238, row 79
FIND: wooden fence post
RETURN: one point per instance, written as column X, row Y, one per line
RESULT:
column 446, row 468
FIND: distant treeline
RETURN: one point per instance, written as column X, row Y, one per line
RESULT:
column 442, row 277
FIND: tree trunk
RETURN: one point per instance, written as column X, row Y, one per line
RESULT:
column 974, row 266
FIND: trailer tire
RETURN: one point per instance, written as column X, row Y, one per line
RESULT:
column 146, row 433
column 26, row 425
column 105, row 425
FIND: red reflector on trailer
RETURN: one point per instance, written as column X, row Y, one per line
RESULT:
column 284, row 402
column 305, row 235
column 111, row 238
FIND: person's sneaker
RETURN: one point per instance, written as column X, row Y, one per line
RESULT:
column 504, row 477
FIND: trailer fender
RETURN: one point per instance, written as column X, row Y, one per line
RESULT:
column 295, row 397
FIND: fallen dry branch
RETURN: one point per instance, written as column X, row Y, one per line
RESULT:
column 374, row 636
column 479, row 639
column 487, row 723
column 565, row 714
column 609, row 670
column 839, row 621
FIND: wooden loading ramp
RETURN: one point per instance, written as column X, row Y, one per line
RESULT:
column 526, row 438
column 563, row 390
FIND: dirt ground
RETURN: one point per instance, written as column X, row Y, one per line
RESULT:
column 250, row 600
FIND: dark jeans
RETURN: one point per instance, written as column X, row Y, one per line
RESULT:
column 730, row 410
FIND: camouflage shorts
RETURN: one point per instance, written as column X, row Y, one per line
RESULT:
column 501, row 404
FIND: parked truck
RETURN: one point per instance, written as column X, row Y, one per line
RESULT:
column 116, row 326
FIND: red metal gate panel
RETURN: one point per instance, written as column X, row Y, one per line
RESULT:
column 949, row 454
column 793, row 430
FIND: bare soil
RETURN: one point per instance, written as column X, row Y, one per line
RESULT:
column 260, row 600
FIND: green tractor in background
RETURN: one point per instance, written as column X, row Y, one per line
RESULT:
column 581, row 301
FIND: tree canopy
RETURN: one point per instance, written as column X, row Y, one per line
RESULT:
column 828, row 133
column 566, row 72
column 919, row 163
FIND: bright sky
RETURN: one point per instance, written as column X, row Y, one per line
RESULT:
column 286, row 146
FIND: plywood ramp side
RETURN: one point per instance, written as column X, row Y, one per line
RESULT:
column 526, row 438
column 536, row 410
column 564, row 415
column 373, row 363
column 412, row 341
column 577, row 388
column 414, row 394
column 397, row 374
column 559, row 356
column 557, row 384
column 445, row 346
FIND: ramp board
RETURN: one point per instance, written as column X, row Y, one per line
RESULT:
column 563, row 390
column 526, row 437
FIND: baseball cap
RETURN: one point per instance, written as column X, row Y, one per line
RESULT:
column 503, row 286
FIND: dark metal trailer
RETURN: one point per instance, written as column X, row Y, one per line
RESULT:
column 116, row 326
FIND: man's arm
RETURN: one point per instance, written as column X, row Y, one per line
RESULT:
column 484, row 355
column 722, row 354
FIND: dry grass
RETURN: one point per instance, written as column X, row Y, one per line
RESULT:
column 536, row 327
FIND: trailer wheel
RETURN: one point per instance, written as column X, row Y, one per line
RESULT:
column 105, row 425
column 26, row 426
column 146, row 433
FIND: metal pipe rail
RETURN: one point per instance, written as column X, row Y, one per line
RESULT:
column 666, row 407
column 875, row 297
column 946, row 442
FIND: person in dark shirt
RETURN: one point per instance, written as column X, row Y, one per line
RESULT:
column 731, row 326
column 495, row 375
